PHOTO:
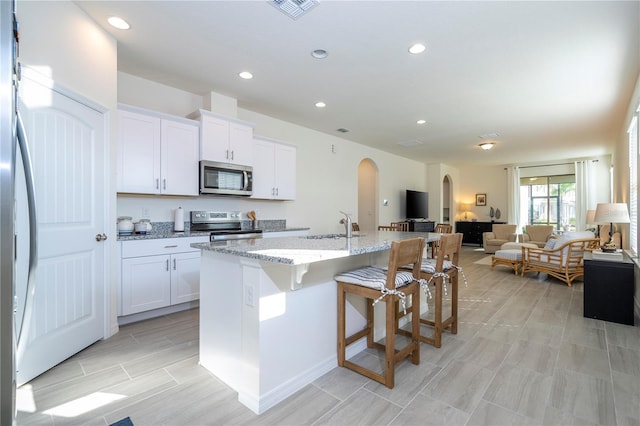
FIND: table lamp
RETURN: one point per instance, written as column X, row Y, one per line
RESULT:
column 611, row 213
column 591, row 220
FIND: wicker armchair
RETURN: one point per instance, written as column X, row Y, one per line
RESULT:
column 564, row 261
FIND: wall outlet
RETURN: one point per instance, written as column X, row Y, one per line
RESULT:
column 145, row 213
column 249, row 295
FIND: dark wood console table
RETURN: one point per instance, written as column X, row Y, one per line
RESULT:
column 421, row 226
column 472, row 231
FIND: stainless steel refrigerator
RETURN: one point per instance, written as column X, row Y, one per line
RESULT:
column 17, row 255
column 7, row 185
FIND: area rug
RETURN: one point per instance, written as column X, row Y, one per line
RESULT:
column 124, row 422
column 484, row 261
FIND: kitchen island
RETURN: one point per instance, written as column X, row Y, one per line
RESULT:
column 268, row 309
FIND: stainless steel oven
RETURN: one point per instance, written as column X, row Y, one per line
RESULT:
column 225, row 179
column 222, row 225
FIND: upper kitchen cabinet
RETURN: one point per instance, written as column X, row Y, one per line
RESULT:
column 274, row 170
column 224, row 139
column 157, row 154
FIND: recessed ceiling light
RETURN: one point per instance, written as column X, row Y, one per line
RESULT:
column 321, row 104
column 319, row 54
column 118, row 23
column 417, row 48
column 486, row 145
column 246, row 75
column 421, row 121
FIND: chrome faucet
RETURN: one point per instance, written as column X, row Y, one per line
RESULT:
column 347, row 224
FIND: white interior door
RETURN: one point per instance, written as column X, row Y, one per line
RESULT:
column 68, row 149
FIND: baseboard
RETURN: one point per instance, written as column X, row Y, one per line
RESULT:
column 141, row 316
column 261, row 404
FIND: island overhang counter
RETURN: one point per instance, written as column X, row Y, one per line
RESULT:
column 268, row 309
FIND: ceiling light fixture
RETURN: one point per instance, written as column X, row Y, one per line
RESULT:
column 421, row 122
column 246, row 75
column 118, row 23
column 319, row 54
column 417, row 48
column 320, row 104
column 486, row 145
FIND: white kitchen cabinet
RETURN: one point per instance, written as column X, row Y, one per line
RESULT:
column 224, row 140
column 274, row 170
column 157, row 155
column 158, row 273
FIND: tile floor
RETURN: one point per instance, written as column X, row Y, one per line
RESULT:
column 524, row 354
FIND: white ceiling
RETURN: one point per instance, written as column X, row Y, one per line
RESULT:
column 554, row 79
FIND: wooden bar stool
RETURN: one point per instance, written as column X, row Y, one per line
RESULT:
column 436, row 271
column 440, row 228
column 390, row 286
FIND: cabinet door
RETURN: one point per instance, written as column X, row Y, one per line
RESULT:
column 138, row 153
column 214, row 139
column 179, row 158
column 263, row 169
column 285, row 172
column 185, row 277
column 146, row 283
column 240, row 144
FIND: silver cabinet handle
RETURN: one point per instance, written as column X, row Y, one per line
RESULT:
column 167, row 266
column 171, row 246
column 174, row 264
column 227, row 155
column 232, row 154
column 101, row 237
column 157, row 183
column 164, row 183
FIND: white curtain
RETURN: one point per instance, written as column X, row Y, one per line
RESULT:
column 513, row 197
column 585, row 197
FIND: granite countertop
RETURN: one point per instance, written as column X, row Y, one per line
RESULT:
column 165, row 230
column 312, row 248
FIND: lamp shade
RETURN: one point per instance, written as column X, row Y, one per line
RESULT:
column 591, row 217
column 611, row 213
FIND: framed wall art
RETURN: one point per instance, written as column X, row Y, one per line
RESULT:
column 481, row 199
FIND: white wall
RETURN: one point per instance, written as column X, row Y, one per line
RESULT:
column 327, row 181
column 63, row 43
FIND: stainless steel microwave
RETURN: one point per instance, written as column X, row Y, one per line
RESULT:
column 225, row 179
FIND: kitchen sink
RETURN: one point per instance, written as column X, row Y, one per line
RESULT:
column 327, row 236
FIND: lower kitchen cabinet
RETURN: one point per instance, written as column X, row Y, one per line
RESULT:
column 159, row 273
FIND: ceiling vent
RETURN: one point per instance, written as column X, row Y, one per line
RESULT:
column 294, row 8
column 410, row 143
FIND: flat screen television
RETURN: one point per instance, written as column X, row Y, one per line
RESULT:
column 417, row 203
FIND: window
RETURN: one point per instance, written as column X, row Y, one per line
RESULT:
column 549, row 200
column 633, row 184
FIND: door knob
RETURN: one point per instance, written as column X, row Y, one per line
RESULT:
column 101, row 237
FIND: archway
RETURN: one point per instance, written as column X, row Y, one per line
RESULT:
column 367, row 195
column 447, row 200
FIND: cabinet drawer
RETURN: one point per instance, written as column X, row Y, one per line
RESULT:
column 160, row 246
